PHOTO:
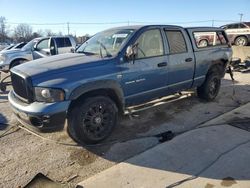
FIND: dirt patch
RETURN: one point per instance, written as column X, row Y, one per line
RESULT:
column 209, row 185
column 228, row 182
column 83, row 157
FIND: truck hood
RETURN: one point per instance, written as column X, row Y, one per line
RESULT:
column 57, row 64
column 11, row 51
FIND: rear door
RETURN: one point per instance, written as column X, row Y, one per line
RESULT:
column 63, row 45
column 181, row 61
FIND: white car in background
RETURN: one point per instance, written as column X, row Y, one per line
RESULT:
column 238, row 33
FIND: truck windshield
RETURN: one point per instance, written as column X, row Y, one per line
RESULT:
column 106, row 43
column 30, row 44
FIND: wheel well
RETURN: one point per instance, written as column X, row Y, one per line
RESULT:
column 241, row 36
column 219, row 66
column 15, row 60
column 98, row 92
column 203, row 39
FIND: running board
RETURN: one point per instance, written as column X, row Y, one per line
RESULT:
column 157, row 102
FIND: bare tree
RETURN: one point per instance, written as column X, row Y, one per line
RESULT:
column 36, row 35
column 3, row 34
column 23, row 33
column 49, row 33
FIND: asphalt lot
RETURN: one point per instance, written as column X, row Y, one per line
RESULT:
column 23, row 155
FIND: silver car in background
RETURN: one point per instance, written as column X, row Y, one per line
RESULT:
column 35, row 49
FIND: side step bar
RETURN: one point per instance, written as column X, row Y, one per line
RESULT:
column 157, row 102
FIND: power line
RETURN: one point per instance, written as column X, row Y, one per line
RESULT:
column 122, row 22
column 17, row 23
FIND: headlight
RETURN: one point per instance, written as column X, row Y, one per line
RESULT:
column 49, row 94
column 2, row 58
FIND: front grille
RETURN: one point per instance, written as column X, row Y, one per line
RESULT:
column 20, row 86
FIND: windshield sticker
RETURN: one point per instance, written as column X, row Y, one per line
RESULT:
column 121, row 35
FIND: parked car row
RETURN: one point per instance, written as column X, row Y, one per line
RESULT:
column 35, row 49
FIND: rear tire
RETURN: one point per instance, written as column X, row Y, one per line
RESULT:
column 93, row 120
column 211, row 86
column 241, row 41
column 203, row 43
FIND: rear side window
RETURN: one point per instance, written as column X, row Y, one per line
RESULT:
column 242, row 25
column 209, row 39
column 222, row 38
column 62, row 42
column 176, row 42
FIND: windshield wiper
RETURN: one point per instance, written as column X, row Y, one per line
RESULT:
column 86, row 53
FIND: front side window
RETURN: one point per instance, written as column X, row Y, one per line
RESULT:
column 149, row 44
column 107, row 43
column 44, row 44
column 176, row 42
column 233, row 26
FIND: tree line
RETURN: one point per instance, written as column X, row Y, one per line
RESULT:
column 21, row 33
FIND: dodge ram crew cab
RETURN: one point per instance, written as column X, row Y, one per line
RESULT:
column 113, row 70
column 36, row 48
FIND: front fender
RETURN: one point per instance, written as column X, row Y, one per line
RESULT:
column 102, row 84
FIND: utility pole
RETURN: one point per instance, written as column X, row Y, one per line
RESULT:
column 212, row 23
column 68, row 27
column 241, row 15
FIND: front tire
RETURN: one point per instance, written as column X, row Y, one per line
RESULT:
column 16, row 62
column 93, row 120
column 210, row 88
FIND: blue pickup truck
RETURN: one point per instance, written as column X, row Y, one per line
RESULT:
column 113, row 70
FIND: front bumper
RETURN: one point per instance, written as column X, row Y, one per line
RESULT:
column 43, row 116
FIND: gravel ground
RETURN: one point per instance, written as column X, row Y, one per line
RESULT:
column 23, row 155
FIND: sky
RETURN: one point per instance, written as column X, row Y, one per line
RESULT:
column 97, row 15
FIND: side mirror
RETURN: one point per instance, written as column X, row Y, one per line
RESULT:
column 72, row 50
column 131, row 52
column 34, row 48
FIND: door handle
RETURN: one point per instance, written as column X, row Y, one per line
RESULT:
column 163, row 64
column 189, row 59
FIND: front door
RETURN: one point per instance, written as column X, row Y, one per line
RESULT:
column 42, row 49
column 146, row 77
